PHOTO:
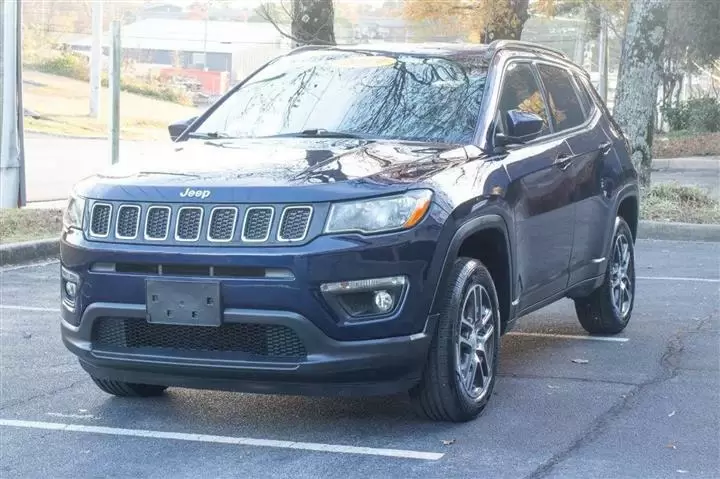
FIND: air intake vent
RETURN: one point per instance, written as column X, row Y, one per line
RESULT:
column 100, row 223
column 157, row 223
column 257, row 224
column 189, row 223
column 222, row 224
column 295, row 223
column 128, row 221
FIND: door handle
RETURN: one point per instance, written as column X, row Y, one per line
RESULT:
column 605, row 147
column 562, row 161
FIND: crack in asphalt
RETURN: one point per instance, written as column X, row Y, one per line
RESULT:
column 669, row 362
column 24, row 401
column 568, row 378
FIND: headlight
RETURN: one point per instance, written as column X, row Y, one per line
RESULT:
column 381, row 214
column 73, row 216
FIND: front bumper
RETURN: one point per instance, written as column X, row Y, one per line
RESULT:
column 328, row 367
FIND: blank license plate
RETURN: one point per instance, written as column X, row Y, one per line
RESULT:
column 188, row 303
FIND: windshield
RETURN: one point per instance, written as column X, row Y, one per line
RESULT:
column 376, row 96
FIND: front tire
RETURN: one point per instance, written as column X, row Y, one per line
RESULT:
column 123, row 389
column 607, row 310
column 460, row 373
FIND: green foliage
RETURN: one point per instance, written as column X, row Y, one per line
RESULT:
column 76, row 67
column 67, row 65
column 697, row 115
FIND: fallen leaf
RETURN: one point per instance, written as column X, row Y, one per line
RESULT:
column 27, row 335
column 580, row 361
column 671, row 414
column 671, row 446
column 447, row 442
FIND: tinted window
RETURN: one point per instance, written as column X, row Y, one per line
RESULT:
column 381, row 96
column 520, row 91
column 585, row 98
column 564, row 104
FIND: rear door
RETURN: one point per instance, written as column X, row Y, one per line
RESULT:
column 539, row 193
column 579, row 123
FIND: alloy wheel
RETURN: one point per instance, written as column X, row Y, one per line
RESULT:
column 621, row 283
column 475, row 343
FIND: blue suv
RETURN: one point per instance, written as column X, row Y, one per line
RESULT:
column 355, row 220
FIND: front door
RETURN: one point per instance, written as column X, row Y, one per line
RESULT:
column 539, row 193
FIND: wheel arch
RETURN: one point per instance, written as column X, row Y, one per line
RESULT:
column 487, row 239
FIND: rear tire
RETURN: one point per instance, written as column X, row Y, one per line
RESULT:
column 607, row 310
column 123, row 389
column 460, row 373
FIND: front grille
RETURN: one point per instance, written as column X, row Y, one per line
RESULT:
column 100, row 221
column 128, row 221
column 157, row 222
column 257, row 224
column 254, row 339
column 294, row 223
column 189, row 223
column 222, row 224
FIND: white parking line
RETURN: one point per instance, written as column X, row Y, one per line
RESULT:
column 238, row 441
column 29, row 265
column 570, row 336
column 672, row 278
column 29, row 308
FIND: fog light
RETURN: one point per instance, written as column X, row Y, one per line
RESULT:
column 383, row 301
column 70, row 290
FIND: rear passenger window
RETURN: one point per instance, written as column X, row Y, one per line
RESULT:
column 520, row 91
column 565, row 106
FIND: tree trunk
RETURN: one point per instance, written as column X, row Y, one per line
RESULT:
column 313, row 22
column 506, row 20
column 639, row 78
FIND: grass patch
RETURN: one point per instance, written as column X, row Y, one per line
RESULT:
column 685, row 143
column 63, row 106
column 28, row 224
column 684, row 204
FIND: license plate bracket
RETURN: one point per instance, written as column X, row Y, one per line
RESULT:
column 182, row 302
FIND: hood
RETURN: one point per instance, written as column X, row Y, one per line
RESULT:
column 262, row 170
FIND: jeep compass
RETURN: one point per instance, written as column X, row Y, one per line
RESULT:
column 355, row 220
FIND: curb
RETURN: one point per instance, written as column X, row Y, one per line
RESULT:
column 662, row 230
column 691, row 163
column 28, row 251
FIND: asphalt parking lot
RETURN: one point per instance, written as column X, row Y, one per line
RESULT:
column 644, row 404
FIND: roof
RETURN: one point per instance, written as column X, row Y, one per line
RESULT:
column 190, row 35
column 428, row 48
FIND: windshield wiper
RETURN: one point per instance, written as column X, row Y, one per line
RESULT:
column 212, row 135
column 319, row 133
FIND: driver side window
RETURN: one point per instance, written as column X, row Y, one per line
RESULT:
column 520, row 91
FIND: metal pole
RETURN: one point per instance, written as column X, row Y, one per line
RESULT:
column 115, row 93
column 603, row 57
column 22, row 190
column 205, row 37
column 9, row 147
column 96, row 57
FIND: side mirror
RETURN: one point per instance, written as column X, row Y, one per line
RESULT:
column 521, row 127
column 176, row 129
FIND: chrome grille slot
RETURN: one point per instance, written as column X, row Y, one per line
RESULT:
column 258, row 221
column 189, row 223
column 294, row 223
column 128, row 222
column 157, row 223
column 100, row 220
column 222, row 224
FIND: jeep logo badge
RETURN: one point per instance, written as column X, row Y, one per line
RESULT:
column 189, row 193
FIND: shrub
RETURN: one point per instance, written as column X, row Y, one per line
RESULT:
column 700, row 114
column 67, row 65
